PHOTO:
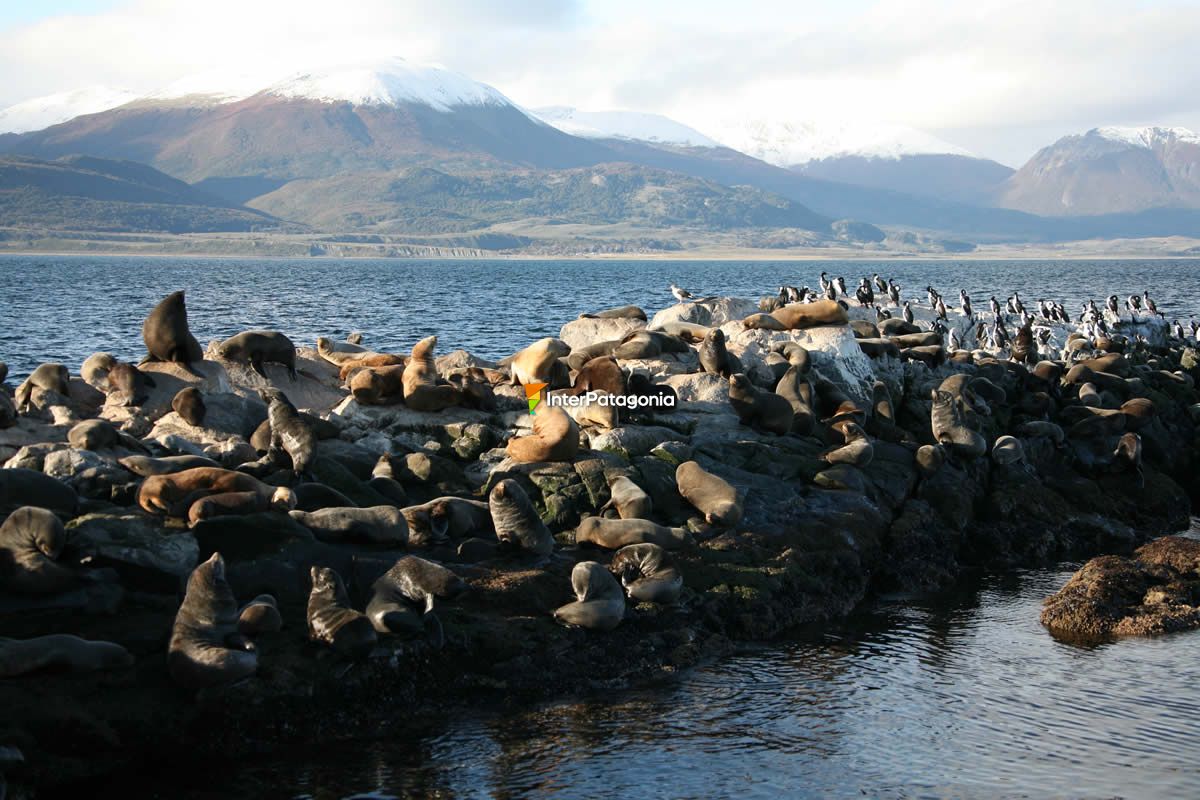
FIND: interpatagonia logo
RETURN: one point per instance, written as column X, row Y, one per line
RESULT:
column 533, row 393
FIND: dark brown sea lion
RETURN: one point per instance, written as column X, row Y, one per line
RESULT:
column 623, row 312
column 331, row 620
column 189, row 405
column 32, row 541
column 206, row 648
column 147, row 466
column 49, row 377
column 99, row 434
column 378, row 386
column 290, row 434
column 714, row 358
column 383, row 525
column 517, row 523
column 128, row 384
column 759, row 408
column 599, row 601
column 166, row 333
column 402, row 599
column 173, row 493
column 259, row 616
column 259, row 347
column 19, row 487
column 227, row 504
column 600, row 374
column 647, row 573
column 613, row 534
column 710, row 495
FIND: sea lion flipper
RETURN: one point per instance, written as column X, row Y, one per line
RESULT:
column 435, row 632
column 257, row 365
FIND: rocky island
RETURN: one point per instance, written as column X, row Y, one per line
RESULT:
column 228, row 549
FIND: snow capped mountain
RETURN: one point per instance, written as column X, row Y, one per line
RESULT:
column 634, row 125
column 389, row 82
column 1149, row 137
column 212, row 88
column 42, row 112
column 788, row 143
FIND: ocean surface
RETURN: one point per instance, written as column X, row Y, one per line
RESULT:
column 64, row 308
column 961, row 695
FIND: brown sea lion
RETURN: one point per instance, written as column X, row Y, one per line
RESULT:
column 759, row 408
column 555, row 437
column 290, row 434
column 260, row 347
column 536, row 363
column 628, row 499
column 795, row 389
column 100, row 434
column 19, row 487
column 422, row 390
column 166, row 334
column 370, row 360
column 227, row 504
column 95, row 370
column 32, row 541
column 601, row 374
column 378, row 386
column 188, row 403
column 613, row 534
column 599, row 601
column 127, row 385
column 259, row 616
column 714, row 358
column 331, row 620
column 763, row 322
column 411, row 581
column 173, row 493
column 383, row 525
column 206, row 648
column 647, row 573
column 710, row 495
column 516, row 522
column 59, row 652
column 796, row 316
column 146, row 466
column 857, row 451
column 950, row 428
column 49, row 377
column 623, row 312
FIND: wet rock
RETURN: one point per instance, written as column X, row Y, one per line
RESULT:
column 145, row 556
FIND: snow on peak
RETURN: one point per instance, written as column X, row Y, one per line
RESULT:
column 214, row 87
column 42, row 112
column 389, row 81
column 622, row 125
column 788, row 143
column 1148, row 137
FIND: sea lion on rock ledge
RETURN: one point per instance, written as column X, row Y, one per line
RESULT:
column 189, row 405
column 333, row 622
column 710, row 495
column 613, row 534
column 206, row 648
column 647, row 573
column 166, row 334
column 32, row 541
column 259, row 347
column 555, row 437
column 59, row 651
column 538, row 363
column 422, row 390
column 49, row 377
column 759, row 408
column 517, row 523
column 599, row 600
column 173, row 493
column 795, row 316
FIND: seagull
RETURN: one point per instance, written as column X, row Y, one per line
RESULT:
column 681, row 295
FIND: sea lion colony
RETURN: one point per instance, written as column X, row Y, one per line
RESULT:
column 261, row 510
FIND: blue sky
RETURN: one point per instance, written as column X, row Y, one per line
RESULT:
column 998, row 77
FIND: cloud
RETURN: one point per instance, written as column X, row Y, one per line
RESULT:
column 988, row 75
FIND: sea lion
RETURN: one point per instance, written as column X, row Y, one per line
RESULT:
column 59, row 651
column 146, row 466
column 857, row 450
column 370, row 360
column 647, row 573
column 227, row 504
column 99, row 434
column 714, row 358
column 260, row 347
column 19, row 486
column 383, row 525
column 581, row 355
column 49, row 377
column 536, row 363
column 896, row 326
column 378, row 386
column 515, row 520
column 659, row 396
column 1050, row 430
column 1128, row 457
column 188, row 403
column 932, row 356
column 623, row 312
column 453, row 517
column 411, row 580
column 930, row 458
column 1007, row 450
column 95, row 370
column 290, row 434
column 32, row 541
column 337, row 353
column 127, row 385
column 841, row 409
column 687, row 331
column 600, row 374
column 166, row 334
column 555, row 437
column 628, row 499
column 795, row 389
column 1139, row 412
column 173, row 493
column 613, row 534
column 710, row 495
column 206, row 648
column 950, row 428
column 259, row 616
column 759, row 408
column 599, row 601
column 422, row 391
column 314, row 496
column 763, row 322
column 796, row 316
column 878, row 348
column 1089, row 395
column 649, row 344
column 333, row 622
column 911, row 340
column 796, row 354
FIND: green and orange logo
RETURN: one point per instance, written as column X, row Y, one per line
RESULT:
column 533, row 393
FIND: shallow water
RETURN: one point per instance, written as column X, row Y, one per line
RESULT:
column 962, row 696
column 64, row 308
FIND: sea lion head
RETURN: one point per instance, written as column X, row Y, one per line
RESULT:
column 270, row 394
column 439, row 521
column 283, row 499
column 323, row 345
column 739, row 382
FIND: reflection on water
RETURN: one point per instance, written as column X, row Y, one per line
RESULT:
column 965, row 696
column 64, row 308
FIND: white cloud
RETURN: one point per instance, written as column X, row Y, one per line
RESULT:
column 995, row 77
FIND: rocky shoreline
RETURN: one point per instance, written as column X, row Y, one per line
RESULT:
column 902, row 464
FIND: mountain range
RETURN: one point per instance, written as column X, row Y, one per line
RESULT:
column 391, row 146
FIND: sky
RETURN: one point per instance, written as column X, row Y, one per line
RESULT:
column 1000, row 78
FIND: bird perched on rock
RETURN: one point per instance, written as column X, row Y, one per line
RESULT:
column 682, row 295
column 865, row 294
